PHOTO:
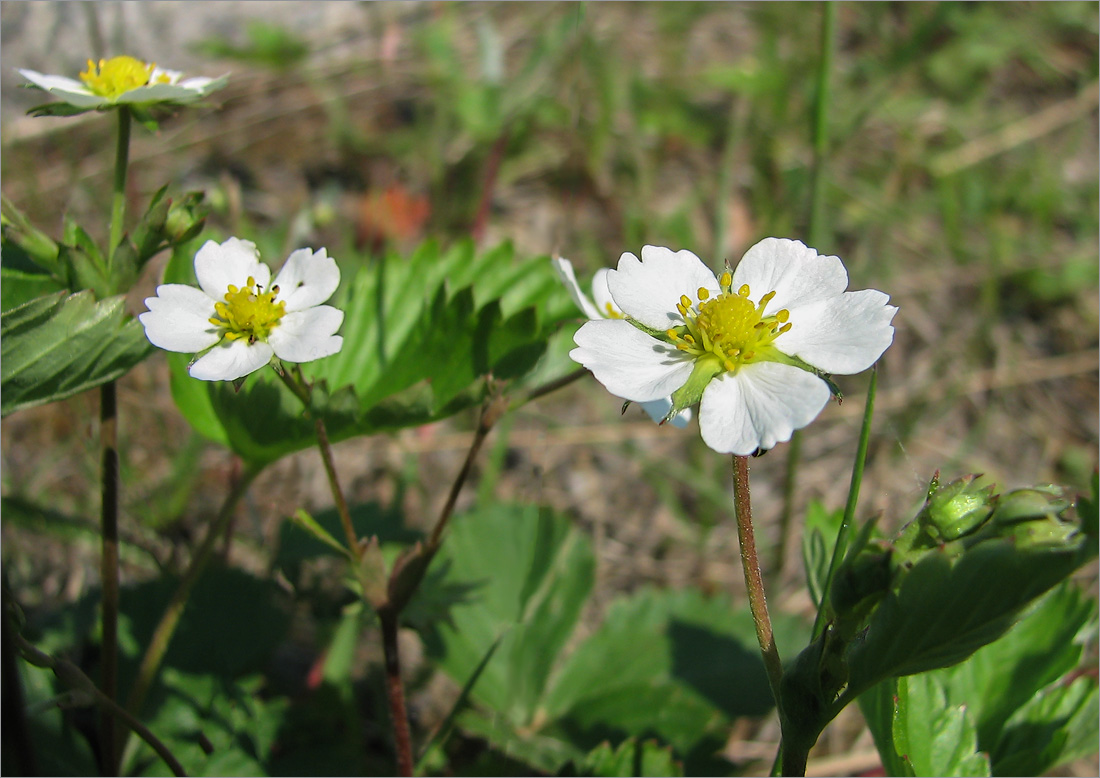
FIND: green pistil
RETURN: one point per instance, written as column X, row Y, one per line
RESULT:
column 249, row 312
column 729, row 328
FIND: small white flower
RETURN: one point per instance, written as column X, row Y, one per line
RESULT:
column 603, row 307
column 747, row 346
column 238, row 321
column 124, row 80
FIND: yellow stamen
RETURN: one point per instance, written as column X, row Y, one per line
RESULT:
column 113, row 77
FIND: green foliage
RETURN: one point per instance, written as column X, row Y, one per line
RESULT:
column 1009, row 708
column 632, row 757
column 424, row 337
column 268, row 44
column 58, row 345
column 699, row 670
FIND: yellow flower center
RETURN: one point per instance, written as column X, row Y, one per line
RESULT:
column 729, row 327
column 113, row 77
column 249, row 312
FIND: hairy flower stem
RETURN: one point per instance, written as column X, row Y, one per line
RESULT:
column 108, row 444
column 334, row 483
column 162, row 635
column 395, row 692
column 754, row 581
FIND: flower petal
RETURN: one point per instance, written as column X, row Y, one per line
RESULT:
column 159, row 93
column 759, row 407
column 306, row 279
column 648, row 289
column 658, row 409
column 564, row 268
column 230, row 360
column 304, row 336
column 631, row 364
column 844, row 335
column 70, row 90
column 797, row 274
column 232, row 262
column 601, row 295
column 178, row 319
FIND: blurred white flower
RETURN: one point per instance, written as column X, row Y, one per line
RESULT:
column 236, row 322
column 124, row 80
column 748, row 346
column 603, row 307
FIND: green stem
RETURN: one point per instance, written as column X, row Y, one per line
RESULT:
column 847, row 521
column 301, row 389
column 162, row 635
column 754, row 581
column 118, row 200
column 108, row 569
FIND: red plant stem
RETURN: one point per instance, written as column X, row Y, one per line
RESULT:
column 395, row 693
column 754, row 581
column 496, row 154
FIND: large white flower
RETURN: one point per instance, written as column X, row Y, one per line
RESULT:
column 124, row 80
column 602, row 306
column 748, row 346
column 238, row 321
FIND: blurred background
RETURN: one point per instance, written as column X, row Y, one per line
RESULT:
column 960, row 177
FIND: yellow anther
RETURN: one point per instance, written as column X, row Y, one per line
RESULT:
column 703, row 293
column 725, row 280
column 743, row 291
column 766, row 299
column 783, row 314
column 685, row 301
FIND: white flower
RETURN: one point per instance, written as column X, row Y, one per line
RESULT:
column 124, row 80
column 241, row 323
column 747, row 346
column 603, row 307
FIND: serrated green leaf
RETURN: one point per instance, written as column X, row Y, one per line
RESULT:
column 700, row 669
column 542, row 573
column 416, row 349
column 56, row 346
column 946, row 609
column 1051, row 729
column 18, row 287
column 631, row 758
column 931, row 736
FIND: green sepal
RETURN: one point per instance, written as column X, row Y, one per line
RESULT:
column 704, row 370
column 39, row 247
column 58, row 109
column 661, row 335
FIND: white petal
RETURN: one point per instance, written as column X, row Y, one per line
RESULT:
column 232, row 262
column 631, row 364
column 231, row 359
column 177, row 319
column 658, row 409
column 798, row 275
column 843, row 335
column 759, row 407
column 648, row 289
column 159, row 93
column 307, row 279
column 68, row 89
column 304, row 336
column 173, row 75
column 601, row 294
column 564, row 268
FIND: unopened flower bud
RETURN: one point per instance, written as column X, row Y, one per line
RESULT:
column 957, row 509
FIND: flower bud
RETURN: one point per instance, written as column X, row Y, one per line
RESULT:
column 957, row 509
